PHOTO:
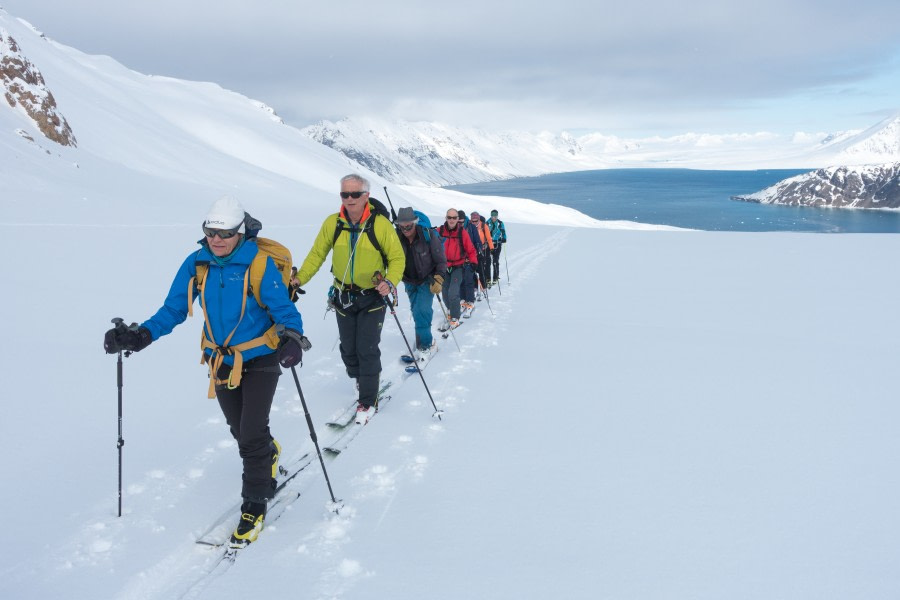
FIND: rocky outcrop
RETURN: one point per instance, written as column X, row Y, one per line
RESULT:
column 869, row 186
column 23, row 86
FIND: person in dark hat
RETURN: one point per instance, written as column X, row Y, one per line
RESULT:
column 423, row 277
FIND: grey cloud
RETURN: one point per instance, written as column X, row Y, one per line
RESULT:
column 554, row 60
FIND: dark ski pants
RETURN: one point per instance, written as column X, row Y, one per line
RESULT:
column 467, row 289
column 483, row 268
column 359, row 327
column 495, row 260
column 246, row 409
column 421, row 304
column 451, row 290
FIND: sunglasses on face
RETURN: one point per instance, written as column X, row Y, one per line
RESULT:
column 452, row 218
column 354, row 195
column 224, row 234
column 406, row 226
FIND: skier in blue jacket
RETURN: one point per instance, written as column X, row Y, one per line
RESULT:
column 498, row 235
column 238, row 332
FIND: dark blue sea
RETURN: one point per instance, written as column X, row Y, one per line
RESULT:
column 686, row 198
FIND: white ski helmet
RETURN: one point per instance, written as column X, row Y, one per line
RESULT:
column 225, row 213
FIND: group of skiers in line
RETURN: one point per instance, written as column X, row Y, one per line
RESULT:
column 252, row 328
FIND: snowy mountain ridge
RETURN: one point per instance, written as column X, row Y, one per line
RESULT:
column 425, row 153
column 439, row 154
column 861, row 186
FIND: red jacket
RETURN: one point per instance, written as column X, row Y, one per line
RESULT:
column 457, row 246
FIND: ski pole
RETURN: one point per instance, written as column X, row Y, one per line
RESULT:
column 119, row 324
column 486, row 297
column 447, row 320
column 388, row 196
column 506, row 260
column 312, row 434
column 390, row 305
column 497, row 273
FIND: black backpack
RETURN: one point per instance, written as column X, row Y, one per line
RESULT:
column 369, row 227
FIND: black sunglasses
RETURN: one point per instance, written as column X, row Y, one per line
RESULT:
column 224, row 234
column 346, row 195
column 406, row 226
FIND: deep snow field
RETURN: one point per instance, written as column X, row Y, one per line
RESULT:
column 646, row 414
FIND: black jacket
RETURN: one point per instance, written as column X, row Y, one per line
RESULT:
column 423, row 258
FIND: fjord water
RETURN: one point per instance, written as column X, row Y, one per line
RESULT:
column 694, row 199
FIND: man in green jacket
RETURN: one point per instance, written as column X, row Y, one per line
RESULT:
column 363, row 243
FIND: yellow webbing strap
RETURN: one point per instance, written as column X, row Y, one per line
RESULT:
column 218, row 352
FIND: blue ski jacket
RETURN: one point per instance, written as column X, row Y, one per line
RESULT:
column 225, row 298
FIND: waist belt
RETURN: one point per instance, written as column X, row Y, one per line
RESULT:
column 349, row 287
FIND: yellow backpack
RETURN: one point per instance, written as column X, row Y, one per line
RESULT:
column 281, row 256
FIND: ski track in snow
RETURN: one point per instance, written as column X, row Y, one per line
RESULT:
column 341, row 572
column 184, row 572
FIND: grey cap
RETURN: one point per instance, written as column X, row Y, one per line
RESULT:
column 405, row 215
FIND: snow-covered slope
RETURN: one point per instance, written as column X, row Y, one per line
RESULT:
column 168, row 145
column 631, row 443
column 878, row 144
column 438, row 154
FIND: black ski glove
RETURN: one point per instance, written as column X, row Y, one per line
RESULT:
column 131, row 339
column 291, row 347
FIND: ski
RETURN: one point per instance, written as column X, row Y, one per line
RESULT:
column 411, row 368
column 349, row 434
column 344, row 418
column 468, row 313
column 446, row 333
column 347, row 416
column 219, row 533
column 228, row 555
column 445, row 327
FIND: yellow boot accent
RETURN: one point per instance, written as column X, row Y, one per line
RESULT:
column 276, row 453
column 247, row 530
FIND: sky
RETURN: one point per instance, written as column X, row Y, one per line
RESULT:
column 630, row 69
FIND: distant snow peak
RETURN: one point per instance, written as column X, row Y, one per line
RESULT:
column 880, row 140
column 24, row 87
column 867, row 186
column 426, row 153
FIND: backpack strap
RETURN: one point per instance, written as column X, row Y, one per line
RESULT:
column 202, row 267
column 218, row 352
column 368, row 229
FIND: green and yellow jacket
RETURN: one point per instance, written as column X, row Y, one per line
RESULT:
column 355, row 260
